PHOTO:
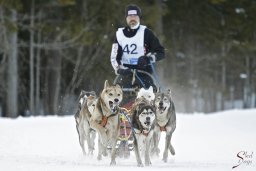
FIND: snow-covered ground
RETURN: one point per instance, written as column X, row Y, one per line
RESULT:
column 202, row 142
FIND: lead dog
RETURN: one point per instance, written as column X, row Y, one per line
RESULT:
column 105, row 118
column 165, row 121
column 143, row 121
column 82, row 117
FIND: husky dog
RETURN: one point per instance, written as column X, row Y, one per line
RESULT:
column 82, row 116
column 148, row 94
column 143, row 121
column 105, row 118
column 165, row 121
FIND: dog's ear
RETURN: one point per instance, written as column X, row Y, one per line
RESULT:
column 106, row 84
column 92, row 93
column 142, row 89
column 82, row 93
column 158, row 90
column 150, row 89
column 118, row 86
column 169, row 92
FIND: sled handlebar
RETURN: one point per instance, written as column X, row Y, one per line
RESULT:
column 130, row 89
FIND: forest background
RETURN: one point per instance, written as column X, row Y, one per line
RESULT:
column 52, row 49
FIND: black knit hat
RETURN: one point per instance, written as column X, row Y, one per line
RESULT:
column 132, row 10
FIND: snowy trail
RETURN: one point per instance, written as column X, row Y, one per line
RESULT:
column 202, row 142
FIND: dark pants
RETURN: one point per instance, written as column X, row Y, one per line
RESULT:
column 141, row 81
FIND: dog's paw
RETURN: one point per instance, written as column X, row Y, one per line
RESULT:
column 155, row 152
column 112, row 163
column 148, row 163
column 165, row 156
column 172, row 150
column 140, row 165
column 105, row 153
column 84, row 153
column 164, row 160
column 99, row 157
column 90, row 153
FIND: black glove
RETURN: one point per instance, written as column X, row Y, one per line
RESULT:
column 143, row 62
column 124, row 71
column 152, row 57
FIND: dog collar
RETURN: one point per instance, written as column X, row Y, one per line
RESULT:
column 145, row 133
column 104, row 121
column 162, row 128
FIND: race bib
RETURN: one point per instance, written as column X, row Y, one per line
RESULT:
column 133, row 61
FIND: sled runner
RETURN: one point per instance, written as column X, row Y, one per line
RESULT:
column 125, row 126
column 125, row 139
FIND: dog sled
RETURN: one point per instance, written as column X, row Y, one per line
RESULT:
column 125, row 139
column 130, row 80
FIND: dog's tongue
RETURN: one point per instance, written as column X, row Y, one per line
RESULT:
column 111, row 104
column 114, row 109
column 147, row 123
column 161, row 109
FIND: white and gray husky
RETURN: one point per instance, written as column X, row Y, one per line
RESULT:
column 165, row 121
column 105, row 118
column 82, row 117
column 143, row 122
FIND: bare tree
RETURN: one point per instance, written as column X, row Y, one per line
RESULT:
column 159, row 31
column 31, row 60
column 12, row 75
column 38, row 68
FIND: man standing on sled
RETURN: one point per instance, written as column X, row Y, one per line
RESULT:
column 135, row 47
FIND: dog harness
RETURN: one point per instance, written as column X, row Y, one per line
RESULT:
column 125, row 126
column 142, row 131
column 104, row 119
column 162, row 128
column 145, row 133
column 132, row 47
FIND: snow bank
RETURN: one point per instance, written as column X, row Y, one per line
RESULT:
column 202, row 142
